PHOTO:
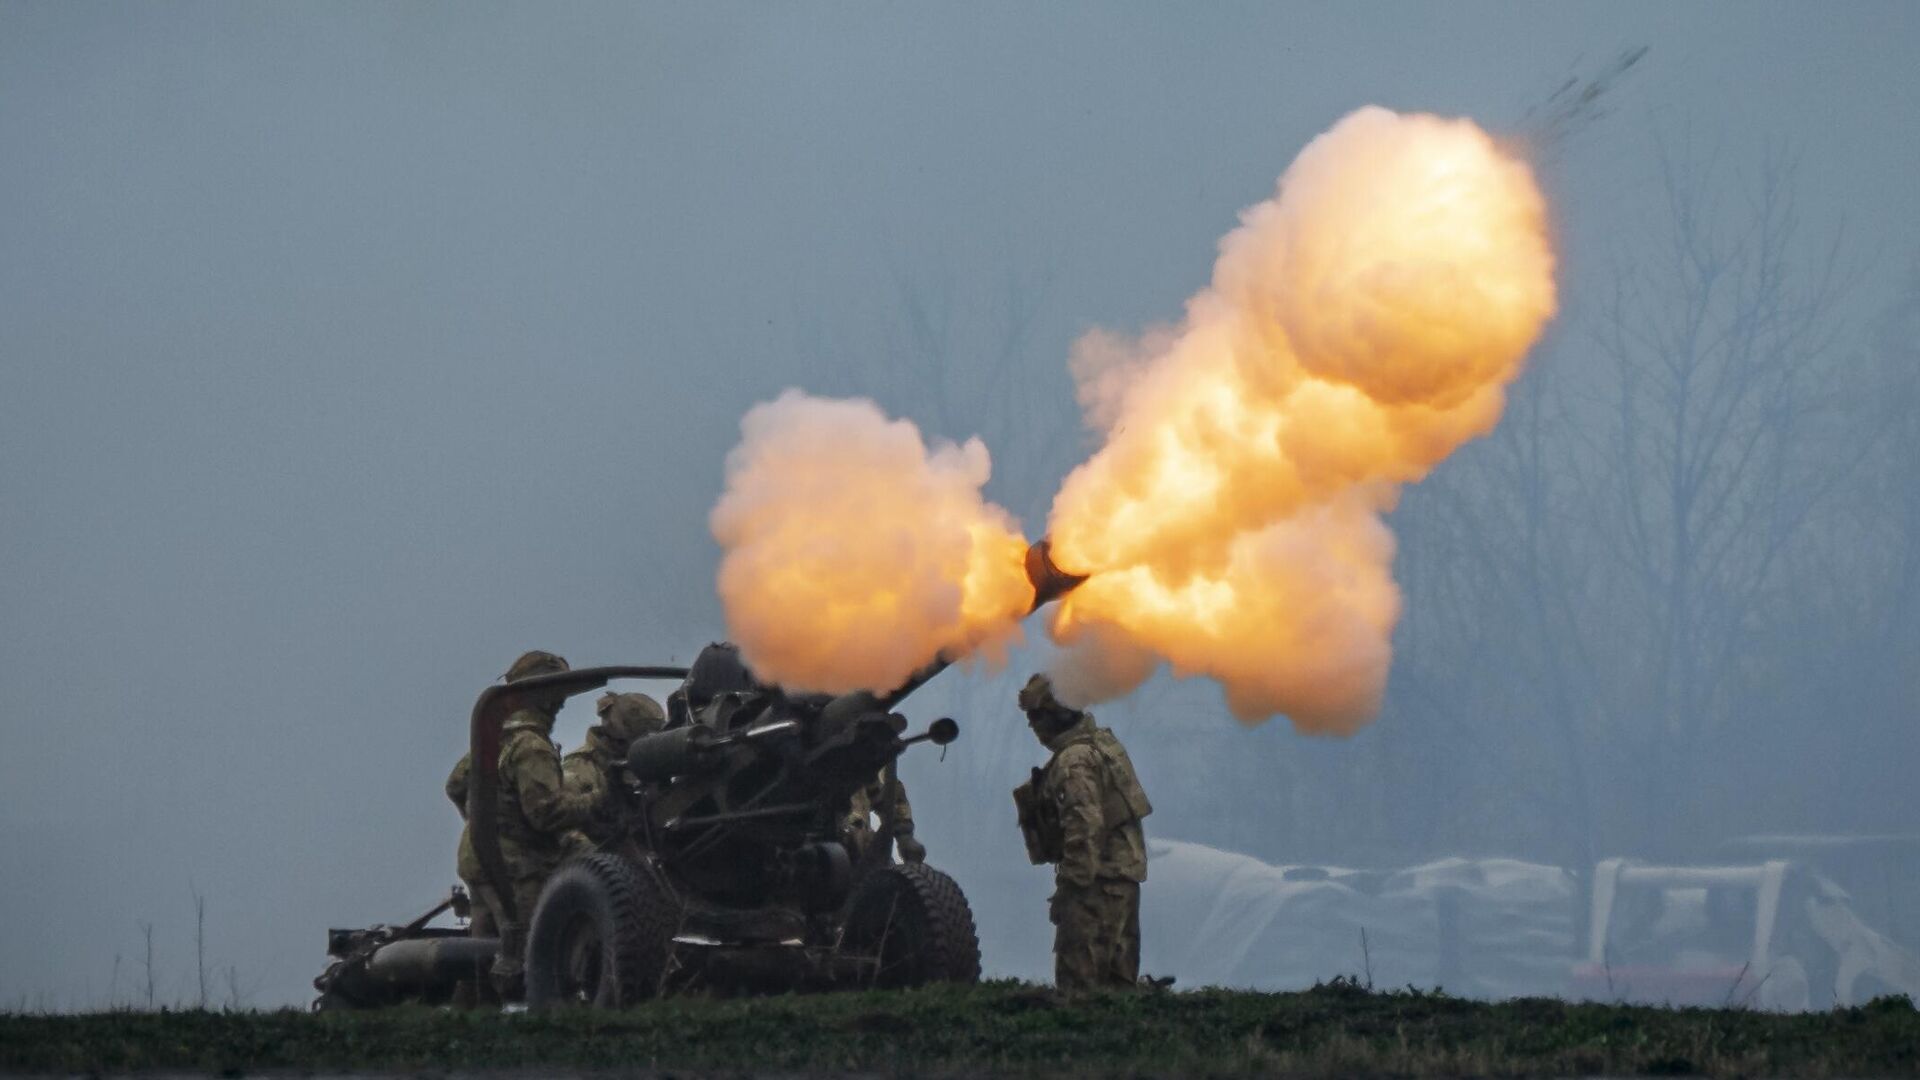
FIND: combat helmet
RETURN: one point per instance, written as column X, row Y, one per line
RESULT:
column 626, row 717
column 535, row 662
column 1048, row 714
column 1038, row 695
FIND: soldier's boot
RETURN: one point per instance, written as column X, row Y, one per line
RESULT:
column 509, row 968
column 509, row 978
column 476, row 992
column 509, row 975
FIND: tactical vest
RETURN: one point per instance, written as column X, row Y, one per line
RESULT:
column 1124, row 799
column 541, row 728
column 514, row 829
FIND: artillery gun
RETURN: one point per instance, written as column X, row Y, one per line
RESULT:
column 728, row 869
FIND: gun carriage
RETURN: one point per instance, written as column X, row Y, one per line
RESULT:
column 727, row 870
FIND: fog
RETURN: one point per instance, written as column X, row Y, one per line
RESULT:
column 347, row 351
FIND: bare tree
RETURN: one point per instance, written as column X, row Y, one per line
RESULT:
column 146, row 931
column 235, row 998
column 1855, row 583
column 1588, row 587
column 1718, row 349
column 1889, row 499
column 200, row 940
column 1496, row 653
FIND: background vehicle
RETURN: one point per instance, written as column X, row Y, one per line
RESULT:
column 1776, row 935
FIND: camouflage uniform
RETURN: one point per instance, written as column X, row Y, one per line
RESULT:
column 593, row 771
column 1089, row 804
column 886, row 799
column 468, row 865
column 536, row 811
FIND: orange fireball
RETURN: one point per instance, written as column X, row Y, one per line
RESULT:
column 1361, row 325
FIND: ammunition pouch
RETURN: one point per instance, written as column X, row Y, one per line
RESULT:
column 1039, row 823
column 1125, row 800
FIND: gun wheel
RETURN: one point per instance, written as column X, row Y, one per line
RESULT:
column 914, row 925
column 602, row 935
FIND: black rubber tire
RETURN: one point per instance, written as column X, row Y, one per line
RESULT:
column 916, row 922
column 602, row 935
column 334, row 1001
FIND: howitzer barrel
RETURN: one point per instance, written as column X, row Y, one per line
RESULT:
column 657, row 758
column 1049, row 583
column 1048, row 580
column 422, row 964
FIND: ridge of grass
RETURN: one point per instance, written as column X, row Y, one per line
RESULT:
column 1004, row 1027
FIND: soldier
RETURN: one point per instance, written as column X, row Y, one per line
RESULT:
column 468, row 993
column 593, row 771
column 468, row 865
column 536, row 812
column 886, row 800
column 1082, row 812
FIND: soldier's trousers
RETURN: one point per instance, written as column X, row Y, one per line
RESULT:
column 468, row 993
column 513, row 932
column 1096, row 938
column 480, row 921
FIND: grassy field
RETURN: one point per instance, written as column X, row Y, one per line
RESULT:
column 1338, row 1030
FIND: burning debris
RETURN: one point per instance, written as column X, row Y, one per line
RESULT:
column 1361, row 325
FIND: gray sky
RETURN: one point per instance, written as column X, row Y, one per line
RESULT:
column 348, row 350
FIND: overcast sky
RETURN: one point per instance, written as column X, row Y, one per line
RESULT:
column 348, row 350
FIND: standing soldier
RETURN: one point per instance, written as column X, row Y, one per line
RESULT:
column 1082, row 812
column 536, row 811
column 886, row 800
column 593, row 771
column 468, row 864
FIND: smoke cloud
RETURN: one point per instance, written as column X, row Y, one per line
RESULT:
column 854, row 554
column 1361, row 325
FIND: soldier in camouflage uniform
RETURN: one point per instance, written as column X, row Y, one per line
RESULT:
column 1082, row 812
column 886, row 800
column 469, row 993
column 593, row 771
column 536, row 812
